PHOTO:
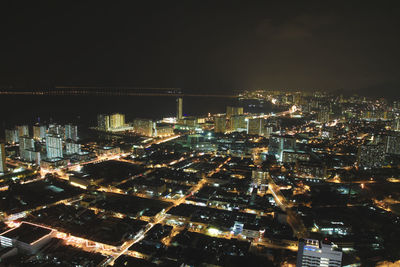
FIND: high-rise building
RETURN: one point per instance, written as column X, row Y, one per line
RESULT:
column 3, row 167
column 323, row 115
column 103, row 122
column 278, row 144
column 117, row 120
column 315, row 253
column 268, row 130
column 396, row 125
column 259, row 178
column 237, row 123
column 23, row 130
column 220, row 124
column 26, row 144
column 143, row 127
column 232, row 111
column 110, row 122
column 371, row 155
column 54, row 147
column 39, row 132
column 255, row 126
column 71, row 132
column 179, row 108
column 72, row 148
column 56, row 129
column 12, row 136
column 392, row 144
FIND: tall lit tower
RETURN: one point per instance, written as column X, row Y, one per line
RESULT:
column 71, row 132
column 54, row 146
column 179, row 102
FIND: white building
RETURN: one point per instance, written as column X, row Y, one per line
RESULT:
column 12, row 136
column 72, row 148
column 54, row 147
column 71, row 132
column 315, row 253
column 39, row 132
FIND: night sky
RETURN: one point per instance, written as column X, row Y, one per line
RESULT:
column 202, row 46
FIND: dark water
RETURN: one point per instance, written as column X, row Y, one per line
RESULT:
column 83, row 109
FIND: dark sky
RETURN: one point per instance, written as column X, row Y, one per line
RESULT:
column 201, row 45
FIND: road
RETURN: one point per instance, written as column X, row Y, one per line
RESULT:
column 292, row 219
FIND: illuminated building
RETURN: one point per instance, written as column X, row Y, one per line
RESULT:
column 23, row 130
column 323, row 116
column 103, row 122
column 312, row 171
column 179, row 108
column 315, row 253
column 220, row 124
column 163, row 129
column 26, row 238
column 71, row 132
column 232, row 111
column 3, row 167
column 255, row 126
column 278, row 144
column 54, row 147
column 12, row 136
column 268, row 130
column 143, row 127
column 107, row 150
column 39, row 132
column 371, row 155
column 26, row 144
column 294, row 156
column 55, row 129
column 113, row 122
column 259, row 178
column 237, row 123
column 392, row 144
column 396, row 124
column 117, row 120
column 72, row 148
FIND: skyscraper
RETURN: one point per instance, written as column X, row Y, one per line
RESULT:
column 396, row 124
column 179, row 108
column 237, row 123
column 26, row 144
column 220, row 124
column 3, row 167
column 232, row 111
column 110, row 122
column 255, row 126
column 12, row 136
column 71, row 132
column 54, row 146
column 39, row 132
column 315, row 253
column 323, row 115
column 55, row 129
column 278, row 144
column 117, row 120
column 23, row 130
